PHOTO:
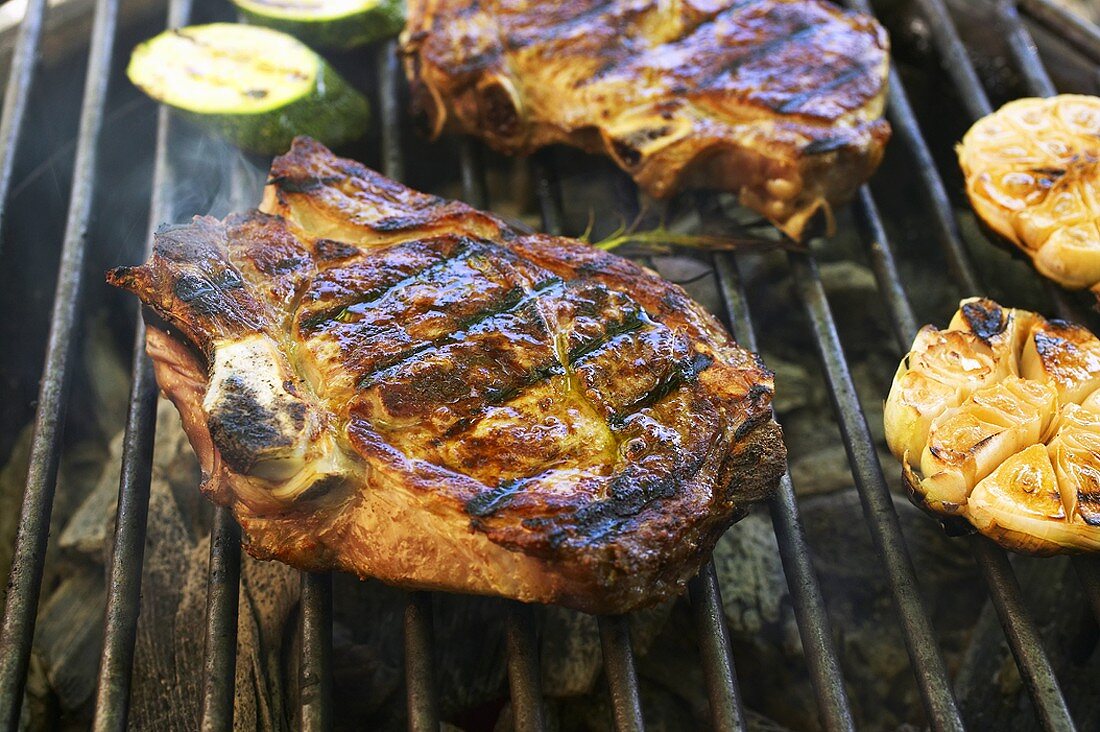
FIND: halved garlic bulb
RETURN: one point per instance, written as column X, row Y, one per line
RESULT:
column 1032, row 173
column 997, row 420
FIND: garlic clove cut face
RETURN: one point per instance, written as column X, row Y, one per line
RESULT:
column 967, row 443
column 942, row 370
column 1019, row 504
column 1075, row 452
column 1064, row 355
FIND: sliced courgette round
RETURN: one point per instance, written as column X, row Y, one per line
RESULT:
column 328, row 23
column 256, row 87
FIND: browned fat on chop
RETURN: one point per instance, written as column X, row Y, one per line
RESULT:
column 779, row 101
column 384, row 382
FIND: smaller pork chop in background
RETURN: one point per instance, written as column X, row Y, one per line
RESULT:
column 778, row 101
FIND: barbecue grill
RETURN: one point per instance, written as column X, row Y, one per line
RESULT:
column 315, row 669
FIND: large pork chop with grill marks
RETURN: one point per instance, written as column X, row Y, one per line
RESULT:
column 388, row 383
column 779, row 101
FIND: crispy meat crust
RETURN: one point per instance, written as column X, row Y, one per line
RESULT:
column 391, row 384
column 779, row 101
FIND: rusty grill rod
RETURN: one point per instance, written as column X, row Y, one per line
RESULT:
column 29, row 556
column 17, row 93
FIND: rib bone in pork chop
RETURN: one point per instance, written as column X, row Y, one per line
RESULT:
column 385, row 382
column 776, row 100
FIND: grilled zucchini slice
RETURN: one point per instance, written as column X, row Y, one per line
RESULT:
column 328, row 23
column 256, row 87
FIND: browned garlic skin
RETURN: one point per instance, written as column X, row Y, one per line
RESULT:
column 997, row 421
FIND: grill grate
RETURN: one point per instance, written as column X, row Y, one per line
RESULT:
column 315, row 673
column 29, row 556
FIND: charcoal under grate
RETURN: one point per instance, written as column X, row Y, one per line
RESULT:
column 315, row 680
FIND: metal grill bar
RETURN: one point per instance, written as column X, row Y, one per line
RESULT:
column 726, row 712
column 1022, row 636
column 1084, row 36
column 124, row 585
column 618, row 656
column 548, row 191
column 523, row 668
column 1088, row 571
column 29, row 556
column 17, row 93
column 885, row 268
column 222, row 598
column 716, row 654
column 904, row 124
column 315, row 677
column 809, row 606
column 878, row 506
column 474, row 190
column 224, row 571
column 622, row 680
column 393, row 158
column 954, row 58
column 422, row 699
column 1036, row 79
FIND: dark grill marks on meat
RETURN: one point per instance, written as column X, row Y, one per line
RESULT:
column 447, row 330
column 754, row 50
column 343, row 285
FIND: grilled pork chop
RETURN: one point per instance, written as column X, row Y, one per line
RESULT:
column 388, row 383
column 776, row 100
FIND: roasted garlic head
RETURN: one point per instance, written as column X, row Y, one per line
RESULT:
column 997, row 421
column 1032, row 172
